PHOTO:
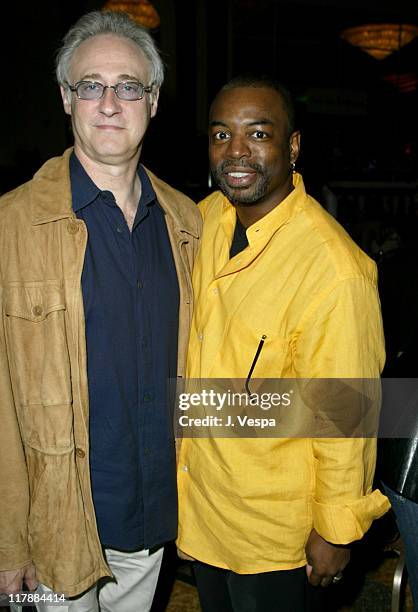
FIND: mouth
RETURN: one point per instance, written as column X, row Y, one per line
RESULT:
column 240, row 178
column 108, row 127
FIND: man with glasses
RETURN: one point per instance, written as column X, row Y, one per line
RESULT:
column 95, row 261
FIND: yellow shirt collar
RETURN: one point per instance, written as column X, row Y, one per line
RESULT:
column 273, row 220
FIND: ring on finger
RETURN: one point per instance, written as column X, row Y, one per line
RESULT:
column 337, row 577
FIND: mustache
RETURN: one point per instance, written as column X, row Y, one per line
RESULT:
column 225, row 165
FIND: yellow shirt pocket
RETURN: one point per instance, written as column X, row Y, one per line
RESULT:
column 258, row 349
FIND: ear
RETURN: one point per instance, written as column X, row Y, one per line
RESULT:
column 294, row 146
column 154, row 95
column 66, row 99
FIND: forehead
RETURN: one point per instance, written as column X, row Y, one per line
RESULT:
column 248, row 104
column 108, row 55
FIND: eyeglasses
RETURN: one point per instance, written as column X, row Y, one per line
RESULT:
column 126, row 90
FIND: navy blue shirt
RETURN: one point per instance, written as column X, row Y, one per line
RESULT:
column 131, row 302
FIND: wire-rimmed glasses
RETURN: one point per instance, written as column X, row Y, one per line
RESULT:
column 125, row 90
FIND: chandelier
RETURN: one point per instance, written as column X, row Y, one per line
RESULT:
column 380, row 39
column 141, row 11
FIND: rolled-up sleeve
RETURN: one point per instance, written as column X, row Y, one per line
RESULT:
column 344, row 505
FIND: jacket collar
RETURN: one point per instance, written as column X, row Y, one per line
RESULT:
column 172, row 202
column 51, row 196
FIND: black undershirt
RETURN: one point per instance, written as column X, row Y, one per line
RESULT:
column 239, row 241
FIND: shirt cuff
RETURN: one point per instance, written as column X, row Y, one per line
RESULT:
column 349, row 521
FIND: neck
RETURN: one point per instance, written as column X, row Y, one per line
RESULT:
column 249, row 214
column 121, row 179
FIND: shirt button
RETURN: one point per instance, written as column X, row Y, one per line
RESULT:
column 215, row 291
column 148, row 397
column 200, row 336
column 119, row 230
column 72, row 227
column 185, row 468
column 147, row 451
column 37, row 311
column 80, row 453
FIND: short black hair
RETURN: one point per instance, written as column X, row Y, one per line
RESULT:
column 266, row 81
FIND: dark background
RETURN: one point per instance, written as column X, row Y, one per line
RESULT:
column 359, row 130
column 355, row 124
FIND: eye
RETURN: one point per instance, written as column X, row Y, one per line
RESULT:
column 91, row 86
column 131, row 86
column 260, row 135
column 222, row 135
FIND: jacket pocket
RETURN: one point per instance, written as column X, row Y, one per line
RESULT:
column 39, row 362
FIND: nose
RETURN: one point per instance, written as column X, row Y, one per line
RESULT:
column 238, row 147
column 109, row 102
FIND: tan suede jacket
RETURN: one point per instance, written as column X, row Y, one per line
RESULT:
column 46, row 508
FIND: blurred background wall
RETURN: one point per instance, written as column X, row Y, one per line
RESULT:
column 357, row 113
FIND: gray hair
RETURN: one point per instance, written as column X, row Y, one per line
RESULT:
column 108, row 22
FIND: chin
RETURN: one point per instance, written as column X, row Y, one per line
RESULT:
column 238, row 197
column 112, row 151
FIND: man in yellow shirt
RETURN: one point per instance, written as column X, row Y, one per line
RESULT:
column 281, row 291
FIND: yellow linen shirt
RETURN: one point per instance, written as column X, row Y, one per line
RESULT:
column 249, row 504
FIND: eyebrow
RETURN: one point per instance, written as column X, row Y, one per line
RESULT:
column 96, row 76
column 262, row 121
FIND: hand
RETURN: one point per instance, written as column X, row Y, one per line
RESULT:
column 325, row 560
column 11, row 581
column 181, row 555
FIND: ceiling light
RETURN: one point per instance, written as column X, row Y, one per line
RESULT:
column 380, row 39
column 141, row 11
